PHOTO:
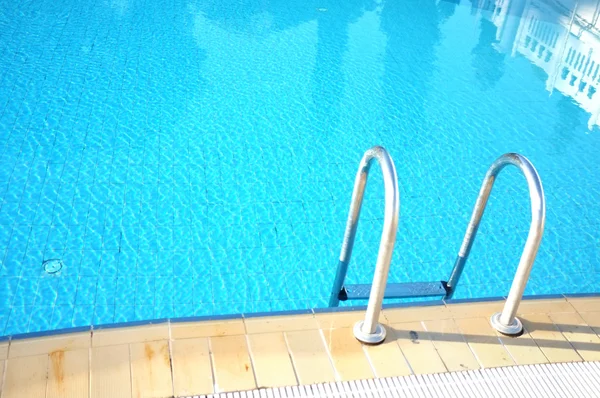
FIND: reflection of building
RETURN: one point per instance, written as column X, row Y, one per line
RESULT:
column 561, row 37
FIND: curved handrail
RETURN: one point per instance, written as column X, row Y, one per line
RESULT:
column 506, row 322
column 370, row 331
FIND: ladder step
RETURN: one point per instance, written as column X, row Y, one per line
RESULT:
column 395, row 290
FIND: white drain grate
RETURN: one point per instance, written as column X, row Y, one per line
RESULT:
column 552, row 380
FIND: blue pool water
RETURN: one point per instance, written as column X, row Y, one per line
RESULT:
column 197, row 157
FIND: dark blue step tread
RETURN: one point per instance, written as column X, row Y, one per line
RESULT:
column 397, row 290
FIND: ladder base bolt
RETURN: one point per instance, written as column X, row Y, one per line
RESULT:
column 369, row 338
column 514, row 329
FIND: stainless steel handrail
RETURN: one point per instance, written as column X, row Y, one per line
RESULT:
column 506, row 321
column 370, row 331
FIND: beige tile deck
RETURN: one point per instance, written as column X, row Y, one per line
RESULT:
column 3, row 350
column 474, row 310
column 45, row 345
column 417, row 314
column 451, row 345
column 334, row 320
column 310, row 357
column 192, row 373
column 387, row 359
column 231, row 363
column 110, row 372
column 349, row 359
column 271, row 360
column 484, row 342
column 523, row 350
column 151, row 369
column 187, row 330
column 26, row 377
column 136, row 334
column 2, row 368
column 190, row 358
column 545, row 306
column 579, row 334
column 593, row 320
column 68, row 374
column 585, row 304
column 550, row 340
column 281, row 324
column 418, row 349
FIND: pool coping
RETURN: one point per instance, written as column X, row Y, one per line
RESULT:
column 313, row 311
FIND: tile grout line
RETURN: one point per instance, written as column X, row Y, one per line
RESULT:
column 90, row 364
column 251, row 356
column 499, row 338
column 467, row 343
column 130, row 369
column 287, row 346
column 412, row 372
column 212, row 365
column 5, row 368
column 462, row 333
column 48, row 360
column 579, row 312
column 371, row 366
column 331, row 362
column 564, row 337
column 171, row 359
column 434, row 346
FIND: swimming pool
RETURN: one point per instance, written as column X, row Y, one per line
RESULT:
column 197, row 157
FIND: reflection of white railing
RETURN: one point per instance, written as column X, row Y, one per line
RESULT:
column 560, row 36
column 565, row 50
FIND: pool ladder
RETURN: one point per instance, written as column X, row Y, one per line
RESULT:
column 370, row 331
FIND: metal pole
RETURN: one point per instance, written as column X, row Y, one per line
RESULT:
column 370, row 331
column 506, row 322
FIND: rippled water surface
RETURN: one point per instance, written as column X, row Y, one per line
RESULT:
column 197, row 157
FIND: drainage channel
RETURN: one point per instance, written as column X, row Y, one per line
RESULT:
column 580, row 379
